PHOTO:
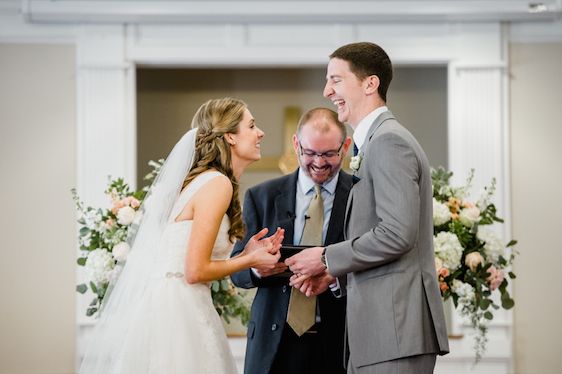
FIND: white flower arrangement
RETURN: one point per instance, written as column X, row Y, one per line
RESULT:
column 471, row 261
column 104, row 248
column 103, row 239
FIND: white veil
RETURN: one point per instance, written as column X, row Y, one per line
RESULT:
column 106, row 343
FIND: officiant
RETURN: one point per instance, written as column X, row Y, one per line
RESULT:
column 289, row 332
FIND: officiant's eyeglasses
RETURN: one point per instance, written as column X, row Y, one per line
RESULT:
column 328, row 155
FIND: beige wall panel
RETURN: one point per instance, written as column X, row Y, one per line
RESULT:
column 37, row 250
column 536, row 135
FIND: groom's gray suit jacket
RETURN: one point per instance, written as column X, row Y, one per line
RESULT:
column 394, row 307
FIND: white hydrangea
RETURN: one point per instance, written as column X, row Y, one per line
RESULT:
column 493, row 246
column 92, row 219
column 448, row 249
column 469, row 216
column 126, row 215
column 121, row 251
column 441, row 213
column 99, row 265
column 464, row 290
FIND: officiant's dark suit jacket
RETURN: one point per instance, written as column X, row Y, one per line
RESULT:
column 272, row 204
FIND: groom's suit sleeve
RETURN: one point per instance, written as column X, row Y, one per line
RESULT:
column 253, row 214
column 390, row 184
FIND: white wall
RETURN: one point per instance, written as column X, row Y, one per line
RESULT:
column 536, row 151
column 37, row 167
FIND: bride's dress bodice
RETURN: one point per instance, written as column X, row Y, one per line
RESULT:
column 175, row 239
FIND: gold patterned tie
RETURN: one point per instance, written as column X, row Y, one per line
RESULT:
column 301, row 314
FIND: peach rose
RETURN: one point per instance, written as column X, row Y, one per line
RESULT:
column 473, row 259
column 109, row 223
column 468, row 204
column 443, row 273
column 454, row 204
column 118, row 204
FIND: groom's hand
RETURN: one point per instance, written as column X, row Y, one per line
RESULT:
column 306, row 264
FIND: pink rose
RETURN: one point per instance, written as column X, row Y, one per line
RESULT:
column 495, row 278
column 134, row 203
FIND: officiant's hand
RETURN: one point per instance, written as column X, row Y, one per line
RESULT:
column 279, row 268
column 305, row 264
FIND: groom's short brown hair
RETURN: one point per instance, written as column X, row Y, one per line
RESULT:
column 365, row 59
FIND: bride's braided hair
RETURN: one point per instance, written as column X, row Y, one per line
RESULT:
column 214, row 119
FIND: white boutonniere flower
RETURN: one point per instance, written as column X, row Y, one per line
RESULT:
column 355, row 162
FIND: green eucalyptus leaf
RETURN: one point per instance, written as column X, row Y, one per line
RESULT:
column 485, row 304
column 508, row 303
column 215, row 286
column 91, row 311
column 81, row 288
column 93, row 287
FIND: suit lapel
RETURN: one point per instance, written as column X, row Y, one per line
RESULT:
column 339, row 208
column 378, row 122
column 285, row 207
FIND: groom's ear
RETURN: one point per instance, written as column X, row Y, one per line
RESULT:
column 371, row 84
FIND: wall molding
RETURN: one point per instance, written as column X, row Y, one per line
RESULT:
column 273, row 11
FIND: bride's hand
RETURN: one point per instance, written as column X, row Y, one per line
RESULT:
column 272, row 244
column 265, row 251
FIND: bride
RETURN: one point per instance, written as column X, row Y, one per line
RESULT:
column 159, row 317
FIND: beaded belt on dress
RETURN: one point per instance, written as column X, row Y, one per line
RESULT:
column 173, row 275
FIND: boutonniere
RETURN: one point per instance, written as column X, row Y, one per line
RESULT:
column 355, row 162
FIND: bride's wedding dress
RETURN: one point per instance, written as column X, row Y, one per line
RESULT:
column 176, row 329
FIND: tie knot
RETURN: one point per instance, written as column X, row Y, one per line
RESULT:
column 317, row 189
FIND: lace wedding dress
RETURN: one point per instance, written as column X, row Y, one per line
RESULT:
column 177, row 329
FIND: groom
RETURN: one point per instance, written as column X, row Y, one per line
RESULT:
column 395, row 321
